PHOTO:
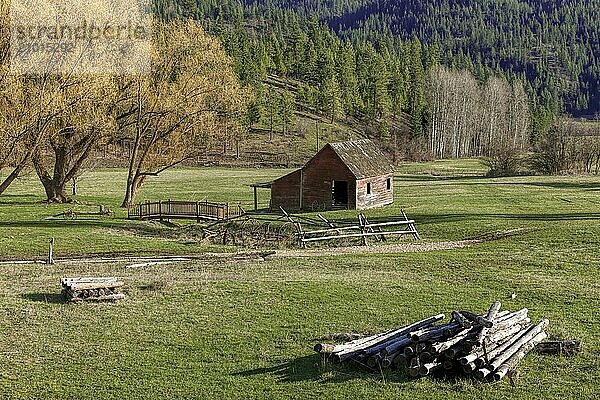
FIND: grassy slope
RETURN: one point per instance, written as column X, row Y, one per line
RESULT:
column 245, row 330
column 25, row 228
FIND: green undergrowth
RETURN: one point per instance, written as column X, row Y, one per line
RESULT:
column 228, row 328
column 450, row 200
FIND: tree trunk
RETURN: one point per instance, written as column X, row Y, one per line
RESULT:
column 16, row 171
column 55, row 192
column 11, row 177
column 54, row 186
column 129, row 193
column 134, row 183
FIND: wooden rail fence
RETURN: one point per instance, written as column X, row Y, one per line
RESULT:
column 198, row 210
column 362, row 230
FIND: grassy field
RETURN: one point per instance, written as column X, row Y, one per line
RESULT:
column 228, row 329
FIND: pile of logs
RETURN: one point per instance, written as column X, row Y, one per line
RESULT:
column 486, row 346
column 91, row 289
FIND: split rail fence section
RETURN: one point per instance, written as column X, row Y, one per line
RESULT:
column 363, row 229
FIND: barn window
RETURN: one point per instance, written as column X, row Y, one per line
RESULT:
column 389, row 183
column 369, row 188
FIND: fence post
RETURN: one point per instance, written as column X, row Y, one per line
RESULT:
column 169, row 210
column 160, row 209
column 361, row 224
column 197, row 212
column 50, row 259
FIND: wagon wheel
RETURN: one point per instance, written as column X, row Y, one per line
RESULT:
column 287, row 233
column 247, row 223
column 247, row 227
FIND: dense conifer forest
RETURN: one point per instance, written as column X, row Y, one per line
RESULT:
column 377, row 60
column 551, row 44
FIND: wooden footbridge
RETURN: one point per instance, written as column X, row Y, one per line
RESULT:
column 196, row 210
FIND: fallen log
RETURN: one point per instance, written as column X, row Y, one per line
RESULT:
column 396, row 346
column 507, row 352
column 427, row 368
column 518, row 356
column 500, row 335
column 489, row 355
column 491, row 314
column 478, row 319
column 434, row 333
column 399, row 361
column 445, row 345
column 531, row 333
column 508, row 320
column 469, row 367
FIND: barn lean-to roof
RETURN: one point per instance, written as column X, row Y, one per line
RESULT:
column 363, row 158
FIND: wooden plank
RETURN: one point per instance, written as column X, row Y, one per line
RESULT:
column 316, row 239
column 94, row 285
column 110, row 297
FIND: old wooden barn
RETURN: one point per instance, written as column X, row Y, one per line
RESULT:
column 345, row 175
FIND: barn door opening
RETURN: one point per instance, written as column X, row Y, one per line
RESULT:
column 339, row 193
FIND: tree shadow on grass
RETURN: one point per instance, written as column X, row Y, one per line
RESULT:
column 439, row 178
column 315, row 368
column 51, row 298
column 115, row 223
column 435, row 218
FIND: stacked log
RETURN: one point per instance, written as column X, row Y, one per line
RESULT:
column 485, row 347
column 91, row 289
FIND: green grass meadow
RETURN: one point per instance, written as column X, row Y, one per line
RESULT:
column 219, row 329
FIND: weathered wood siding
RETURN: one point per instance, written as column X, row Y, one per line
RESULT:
column 380, row 195
column 285, row 192
column 318, row 178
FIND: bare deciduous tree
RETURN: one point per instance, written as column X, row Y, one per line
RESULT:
column 85, row 105
column 49, row 118
column 189, row 98
column 470, row 119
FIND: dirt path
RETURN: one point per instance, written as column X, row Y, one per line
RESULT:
column 378, row 249
column 413, row 247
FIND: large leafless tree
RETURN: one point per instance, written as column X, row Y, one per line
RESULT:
column 190, row 98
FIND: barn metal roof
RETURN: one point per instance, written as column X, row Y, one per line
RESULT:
column 363, row 158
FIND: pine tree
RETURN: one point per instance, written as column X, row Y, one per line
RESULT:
column 287, row 110
column 331, row 98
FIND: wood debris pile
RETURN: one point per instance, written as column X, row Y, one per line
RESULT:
column 252, row 232
column 486, row 346
column 91, row 289
column 559, row 347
